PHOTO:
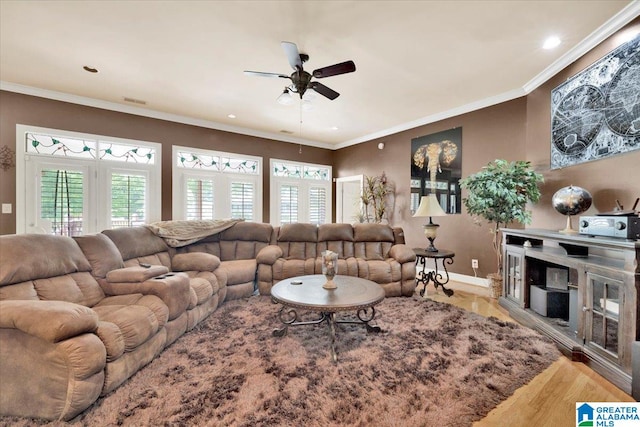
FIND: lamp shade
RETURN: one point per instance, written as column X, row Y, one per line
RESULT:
column 429, row 206
column 285, row 98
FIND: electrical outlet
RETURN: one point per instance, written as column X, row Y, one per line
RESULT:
column 474, row 263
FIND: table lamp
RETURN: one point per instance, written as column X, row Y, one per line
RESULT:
column 430, row 207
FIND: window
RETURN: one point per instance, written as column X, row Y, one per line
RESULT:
column 288, row 204
column 62, row 200
column 128, row 195
column 70, row 183
column 242, row 196
column 300, row 192
column 211, row 185
column 199, row 198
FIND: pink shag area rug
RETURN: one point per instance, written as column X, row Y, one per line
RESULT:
column 433, row 365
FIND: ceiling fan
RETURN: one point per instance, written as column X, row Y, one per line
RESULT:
column 300, row 79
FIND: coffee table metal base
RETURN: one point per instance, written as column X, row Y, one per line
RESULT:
column 306, row 293
column 289, row 317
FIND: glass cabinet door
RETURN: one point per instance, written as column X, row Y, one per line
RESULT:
column 605, row 299
column 513, row 265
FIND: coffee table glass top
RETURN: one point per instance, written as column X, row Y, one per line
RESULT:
column 351, row 293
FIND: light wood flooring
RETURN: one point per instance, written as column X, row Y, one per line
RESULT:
column 549, row 399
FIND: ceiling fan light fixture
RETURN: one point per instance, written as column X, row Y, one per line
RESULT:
column 307, row 105
column 309, row 94
column 285, row 97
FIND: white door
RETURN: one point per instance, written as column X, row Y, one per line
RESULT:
column 348, row 193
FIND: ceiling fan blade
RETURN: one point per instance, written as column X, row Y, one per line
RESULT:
column 293, row 56
column 323, row 90
column 334, row 70
column 261, row 74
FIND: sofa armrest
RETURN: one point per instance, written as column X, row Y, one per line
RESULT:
column 135, row 274
column 195, row 261
column 402, row 253
column 269, row 254
column 52, row 321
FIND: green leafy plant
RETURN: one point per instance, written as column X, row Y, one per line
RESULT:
column 499, row 193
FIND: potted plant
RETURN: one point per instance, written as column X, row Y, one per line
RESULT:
column 499, row 193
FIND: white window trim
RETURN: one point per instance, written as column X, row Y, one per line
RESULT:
column 179, row 182
column 96, row 204
column 276, row 182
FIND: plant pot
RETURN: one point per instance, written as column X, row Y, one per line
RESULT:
column 495, row 285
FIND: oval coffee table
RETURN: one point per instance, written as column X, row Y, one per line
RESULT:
column 307, row 293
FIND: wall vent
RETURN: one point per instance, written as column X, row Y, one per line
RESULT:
column 135, row 101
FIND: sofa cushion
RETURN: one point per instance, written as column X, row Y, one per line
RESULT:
column 239, row 271
column 136, row 242
column 102, row 253
column 373, row 233
column 137, row 323
column 194, row 261
column 298, row 232
column 112, row 338
column 79, row 288
column 151, row 302
column 248, row 231
column 38, row 256
column 380, row 271
column 335, row 232
column 201, row 288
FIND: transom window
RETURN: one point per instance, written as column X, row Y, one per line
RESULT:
column 213, row 185
column 70, row 183
column 300, row 192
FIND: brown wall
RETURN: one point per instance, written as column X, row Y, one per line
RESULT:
column 518, row 129
column 617, row 177
column 487, row 134
column 515, row 130
column 28, row 110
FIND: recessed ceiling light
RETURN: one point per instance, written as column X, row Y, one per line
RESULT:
column 231, row 116
column 90, row 69
column 334, row 127
column 551, row 42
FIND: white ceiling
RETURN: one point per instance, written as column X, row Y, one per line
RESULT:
column 417, row 61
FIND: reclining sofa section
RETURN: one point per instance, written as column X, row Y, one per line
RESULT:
column 79, row 316
column 371, row 251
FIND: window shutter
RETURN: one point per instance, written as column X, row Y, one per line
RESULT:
column 62, row 200
column 128, row 200
column 200, row 198
column 288, row 204
column 317, row 205
column 242, row 197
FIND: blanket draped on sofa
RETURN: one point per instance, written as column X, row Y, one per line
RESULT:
column 182, row 233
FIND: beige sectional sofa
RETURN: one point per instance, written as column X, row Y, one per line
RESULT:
column 79, row 316
column 371, row 251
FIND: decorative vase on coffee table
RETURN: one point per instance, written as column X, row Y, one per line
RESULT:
column 329, row 268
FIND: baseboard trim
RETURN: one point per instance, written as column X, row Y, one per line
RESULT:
column 463, row 278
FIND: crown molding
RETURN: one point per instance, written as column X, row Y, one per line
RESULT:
column 619, row 20
column 145, row 112
column 477, row 105
column 626, row 15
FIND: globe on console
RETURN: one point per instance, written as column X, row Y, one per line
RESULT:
column 571, row 201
